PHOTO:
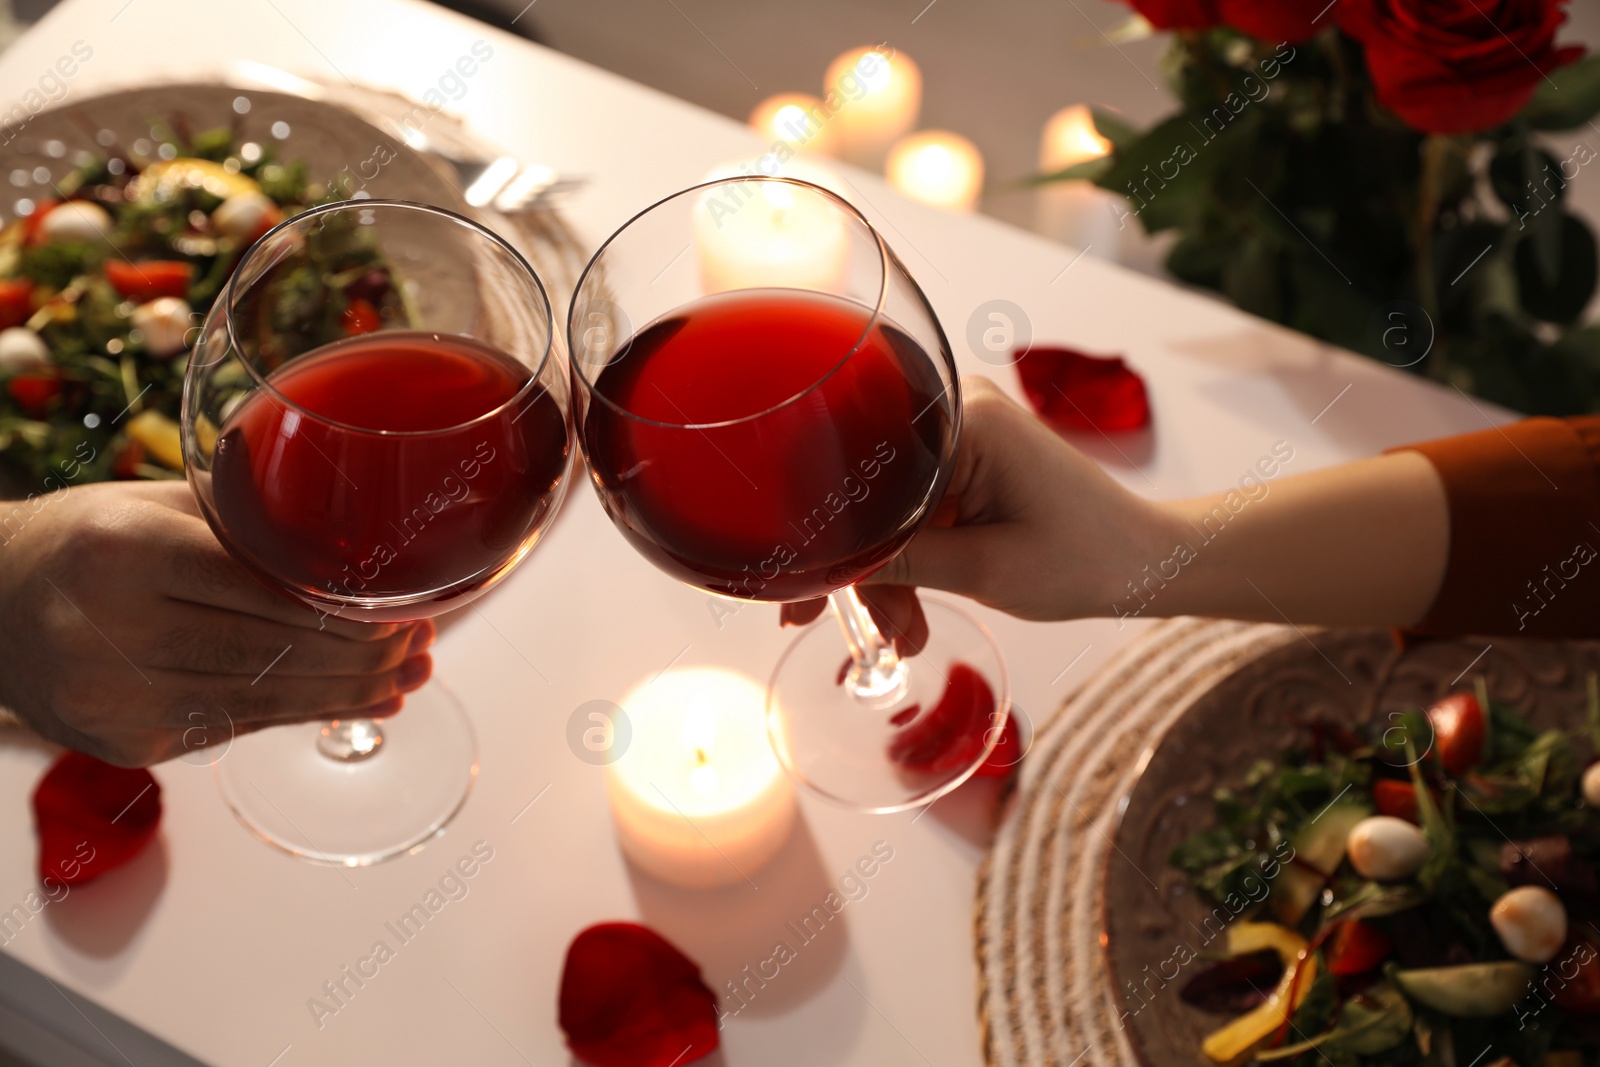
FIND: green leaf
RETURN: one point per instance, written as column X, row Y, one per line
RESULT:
column 1088, row 170
column 1374, row 900
column 1166, row 173
column 1113, row 129
column 1563, row 297
column 1369, row 1023
column 1566, row 98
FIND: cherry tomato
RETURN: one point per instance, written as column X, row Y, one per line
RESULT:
column 16, row 302
column 31, row 224
column 360, row 317
column 1458, row 729
column 149, row 279
column 128, row 458
column 1574, row 977
column 35, row 393
column 1356, row 947
column 1396, row 798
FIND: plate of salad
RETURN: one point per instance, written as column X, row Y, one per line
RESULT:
column 1407, row 875
column 125, row 216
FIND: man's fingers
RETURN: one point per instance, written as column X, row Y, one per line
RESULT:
column 202, row 572
column 282, row 699
column 214, row 641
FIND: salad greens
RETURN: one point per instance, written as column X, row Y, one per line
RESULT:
column 102, row 290
column 1417, row 969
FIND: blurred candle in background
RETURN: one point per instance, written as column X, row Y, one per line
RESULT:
column 937, row 167
column 1078, row 211
column 699, row 798
column 770, row 234
column 798, row 119
column 875, row 97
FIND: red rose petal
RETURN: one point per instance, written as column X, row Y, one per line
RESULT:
column 1006, row 754
column 630, row 999
column 951, row 735
column 1075, row 391
column 92, row 817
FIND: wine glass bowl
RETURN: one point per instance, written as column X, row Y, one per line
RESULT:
column 384, row 447
column 376, row 423
column 780, row 422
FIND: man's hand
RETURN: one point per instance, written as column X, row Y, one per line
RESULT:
column 124, row 624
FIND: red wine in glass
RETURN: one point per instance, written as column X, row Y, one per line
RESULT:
column 416, row 482
column 820, row 490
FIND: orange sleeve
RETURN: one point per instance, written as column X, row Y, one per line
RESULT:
column 1524, row 527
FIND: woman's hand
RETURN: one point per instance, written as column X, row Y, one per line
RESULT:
column 1029, row 525
column 124, row 625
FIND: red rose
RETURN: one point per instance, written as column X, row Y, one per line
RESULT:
column 1276, row 20
column 1448, row 66
column 1270, row 20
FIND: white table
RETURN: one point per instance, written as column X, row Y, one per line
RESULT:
column 214, row 942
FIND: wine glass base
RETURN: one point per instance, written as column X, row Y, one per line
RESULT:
column 354, row 813
column 886, row 756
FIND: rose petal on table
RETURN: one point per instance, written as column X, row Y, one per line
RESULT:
column 629, row 998
column 1005, row 755
column 1072, row 390
column 92, row 817
column 950, row 735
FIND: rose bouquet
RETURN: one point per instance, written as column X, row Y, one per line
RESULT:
column 1378, row 173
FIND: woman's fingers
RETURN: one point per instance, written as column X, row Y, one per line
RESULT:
column 895, row 609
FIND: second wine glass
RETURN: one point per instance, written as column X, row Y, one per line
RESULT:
column 771, row 417
column 376, row 422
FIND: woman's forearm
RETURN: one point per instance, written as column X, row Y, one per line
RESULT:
column 1362, row 544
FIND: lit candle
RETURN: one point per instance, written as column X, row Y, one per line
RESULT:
column 699, row 798
column 1078, row 211
column 874, row 96
column 939, row 168
column 770, row 234
column 797, row 119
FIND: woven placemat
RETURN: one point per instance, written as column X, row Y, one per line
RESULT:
column 1076, row 900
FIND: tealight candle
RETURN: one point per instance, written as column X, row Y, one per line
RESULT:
column 875, row 97
column 770, row 235
column 1078, row 211
column 939, row 168
column 799, row 120
column 699, row 798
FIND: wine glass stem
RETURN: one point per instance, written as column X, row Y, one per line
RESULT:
column 350, row 740
column 877, row 677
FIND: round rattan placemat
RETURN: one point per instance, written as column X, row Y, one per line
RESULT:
column 1078, row 913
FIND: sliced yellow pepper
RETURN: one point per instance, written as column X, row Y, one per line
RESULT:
column 166, row 177
column 1299, row 971
column 160, row 437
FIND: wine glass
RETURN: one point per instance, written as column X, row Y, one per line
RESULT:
column 375, row 422
column 771, row 417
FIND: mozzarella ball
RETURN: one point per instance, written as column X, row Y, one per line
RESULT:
column 1386, row 849
column 22, row 350
column 164, row 323
column 245, row 215
column 1591, row 785
column 1531, row 923
column 76, row 220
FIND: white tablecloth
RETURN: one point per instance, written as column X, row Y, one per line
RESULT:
column 215, row 943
